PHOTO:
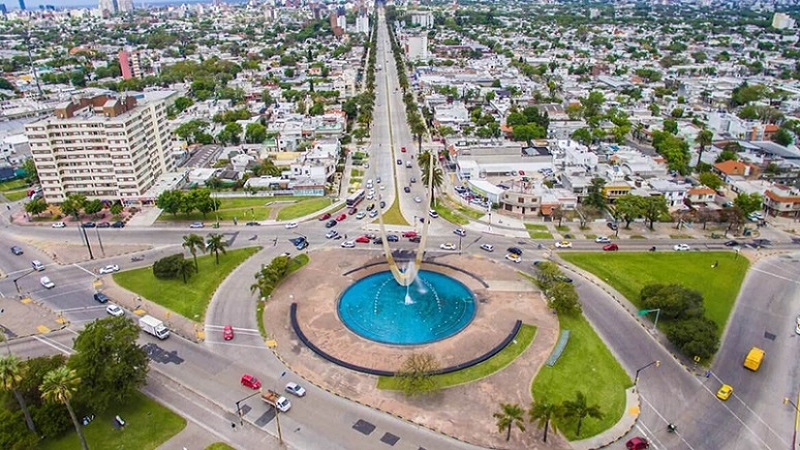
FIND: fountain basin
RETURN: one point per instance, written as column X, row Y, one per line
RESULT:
column 434, row 307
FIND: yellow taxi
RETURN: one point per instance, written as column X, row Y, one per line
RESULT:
column 725, row 392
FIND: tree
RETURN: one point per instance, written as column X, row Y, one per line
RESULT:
column 111, row 365
column 169, row 201
column 748, row 203
column 783, row 137
column 653, row 208
column 671, row 126
column 31, row 174
column 231, row 134
column 628, row 208
column 695, row 337
column 270, row 275
column 703, row 139
column 255, row 133
column 193, row 242
column 592, row 104
column 578, row 409
column 595, row 197
column 181, row 103
column 563, row 298
column 185, row 269
column 11, row 375
column 73, row 205
column 416, row 374
column 36, row 206
column 674, row 300
column 116, row 208
column 58, row 386
column 557, row 214
column 510, row 415
column 316, row 109
column 93, row 207
column 541, row 413
column 266, row 97
column 528, row 132
column 215, row 244
column 710, row 179
column 425, row 159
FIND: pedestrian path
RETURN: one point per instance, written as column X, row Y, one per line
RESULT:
column 146, row 217
column 619, row 430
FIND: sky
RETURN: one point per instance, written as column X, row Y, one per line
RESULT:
column 34, row 4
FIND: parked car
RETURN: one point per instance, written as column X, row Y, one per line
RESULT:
column 58, row 225
column 418, row 199
column 371, row 206
column 115, row 310
column 448, row 246
column 341, row 217
column 89, row 225
column 602, row 240
column 325, row 216
column 373, row 213
column 408, row 234
column 460, row 231
column 418, row 238
column 725, row 392
column 295, row 389
column 17, row 250
column 563, row 244
column 104, row 225
column 377, row 241
column 513, row 258
column 681, row 247
column 45, row 281
column 515, row 250
column 99, row 297
column 331, row 234
column 118, row 224
column 406, row 189
column 610, row 247
column 361, row 215
column 637, row 443
column 612, row 225
column 433, row 214
column 111, row 268
column 250, row 381
column 227, row 332
column 392, row 238
column 352, row 211
column 331, row 223
column 487, row 247
column 196, row 225
column 348, row 244
column 253, row 224
column 382, row 204
column 363, row 239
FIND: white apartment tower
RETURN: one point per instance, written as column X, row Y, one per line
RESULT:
column 782, row 21
column 362, row 23
column 125, row 5
column 422, row 18
column 103, row 147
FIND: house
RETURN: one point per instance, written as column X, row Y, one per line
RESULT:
column 701, row 195
column 729, row 169
column 673, row 193
column 783, row 201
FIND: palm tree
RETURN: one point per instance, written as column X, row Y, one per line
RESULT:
column 192, row 242
column 58, row 386
column 541, row 413
column 185, row 268
column 572, row 409
column 703, row 139
column 215, row 244
column 510, row 416
column 11, row 374
column 425, row 159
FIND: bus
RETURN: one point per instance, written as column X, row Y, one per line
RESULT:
column 355, row 198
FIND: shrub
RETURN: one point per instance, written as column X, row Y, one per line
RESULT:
column 695, row 337
column 674, row 300
column 167, row 267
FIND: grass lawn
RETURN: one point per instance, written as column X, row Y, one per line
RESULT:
column 589, row 367
column 393, row 216
column 13, row 196
column 471, row 212
column 449, row 215
column 681, row 236
column 482, row 370
column 190, row 299
column 630, row 272
column 535, row 227
column 303, row 208
column 562, row 228
column 294, row 265
column 148, row 426
column 219, row 446
column 11, row 185
column 540, row 235
column 243, row 208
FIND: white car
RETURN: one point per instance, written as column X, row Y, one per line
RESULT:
column 59, row 225
column 331, row 234
column 111, row 268
column 418, row 199
column 361, row 215
column 295, row 389
column 487, row 247
column 513, row 258
column 563, row 244
column 348, row 244
column 797, row 328
column 383, row 187
column 115, row 310
column 460, row 231
column 681, row 247
column 602, row 240
column 291, row 225
column 448, row 246
column 45, row 281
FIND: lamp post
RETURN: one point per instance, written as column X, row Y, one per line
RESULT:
column 652, row 363
column 643, row 312
column 786, row 401
column 239, row 409
column 19, row 291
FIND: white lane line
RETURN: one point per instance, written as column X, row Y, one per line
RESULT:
column 776, row 276
column 261, row 347
column 85, row 270
column 56, row 345
column 82, row 308
column 664, row 419
column 219, row 327
column 655, row 443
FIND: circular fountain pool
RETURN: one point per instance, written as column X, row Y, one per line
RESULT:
column 434, row 307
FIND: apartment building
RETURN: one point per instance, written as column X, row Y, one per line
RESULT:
column 104, row 147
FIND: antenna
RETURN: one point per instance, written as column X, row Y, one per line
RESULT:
column 30, row 60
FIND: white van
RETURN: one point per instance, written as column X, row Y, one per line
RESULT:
column 37, row 265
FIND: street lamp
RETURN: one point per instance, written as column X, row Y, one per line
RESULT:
column 653, row 363
column 796, row 411
column 643, row 312
column 239, row 409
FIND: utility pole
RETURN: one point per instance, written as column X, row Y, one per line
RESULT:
column 86, row 237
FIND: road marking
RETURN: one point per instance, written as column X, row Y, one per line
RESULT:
column 85, row 270
column 647, row 432
column 56, row 345
column 42, row 329
column 82, row 308
column 776, row 276
column 219, row 327
column 751, row 411
column 665, row 420
column 237, row 345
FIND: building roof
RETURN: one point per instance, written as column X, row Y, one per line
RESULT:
column 783, row 194
column 701, row 190
column 731, row 167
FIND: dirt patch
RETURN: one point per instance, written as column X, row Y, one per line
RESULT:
column 70, row 254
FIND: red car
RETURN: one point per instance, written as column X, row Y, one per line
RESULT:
column 341, row 217
column 409, row 234
column 403, row 149
column 637, row 443
column 363, row 239
column 325, row 216
column 611, row 247
column 227, row 332
column 352, row 211
column 250, row 381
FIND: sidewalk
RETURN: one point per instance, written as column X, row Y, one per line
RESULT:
column 619, row 430
column 146, row 217
column 27, row 317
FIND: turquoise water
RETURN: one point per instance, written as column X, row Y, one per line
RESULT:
column 376, row 308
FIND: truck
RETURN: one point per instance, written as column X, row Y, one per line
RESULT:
column 156, row 327
column 754, row 358
column 276, row 400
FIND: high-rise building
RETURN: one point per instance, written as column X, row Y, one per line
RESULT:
column 362, row 23
column 107, row 148
column 125, row 65
column 3, row 9
column 108, row 7
column 124, row 6
column 22, row 5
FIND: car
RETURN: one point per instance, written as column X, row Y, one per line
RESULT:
column 115, row 310
column 45, row 281
column 487, row 247
column 460, row 189
column 111, row 268
column 563, row 278
column 227, row 332
column 118, row 224
column 515, row 250
column 331, row 234
column 724, row 392
column 418, row 199
column 513, row 258
column 402, row 149
column 563, row 244
column 610, row 247
column 373, row 213
column 341, row 217
column 250, row 381
column 602, row 240
column 352, row 211
column 301, row 245
column 295, row 389
column 17, row 250
column 392, row 238
column 433, row 214
column 325, row 216
column 383, row 187
column 406, row 189
column 382, row 204
column 363, row 239
column 448, row 246
column 331, row 223
column 413, row 179
column 99, row 297
column 681, row 247
column 291, row 225
column 797, row 326
column 59, row 225
column 399, row 162
column 377, row 241
column 253, row 224
column 732, row 243
column 36, row 264
column 415, row 239
column 348, row 244
column 371, row 206
column 637, row 443
column 460, row 231
column 196, row 225
column 361, row 215
column 762, row 242
column 612, row 225
column 89, row 225
column 104, row 225
column 408, row 164
column 408, row 234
